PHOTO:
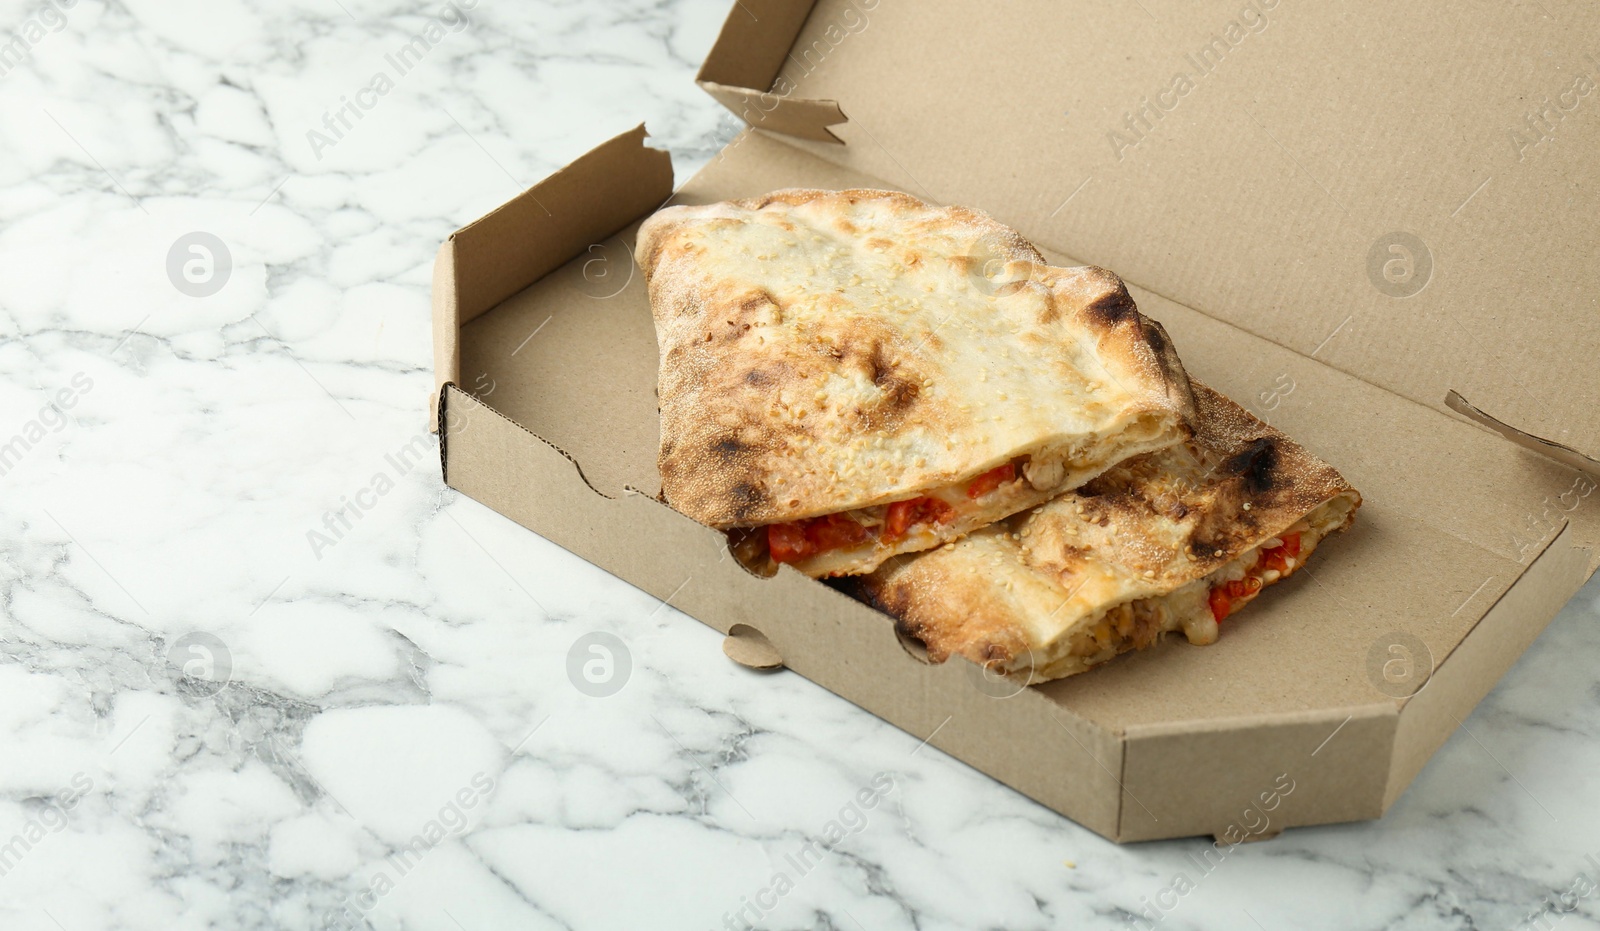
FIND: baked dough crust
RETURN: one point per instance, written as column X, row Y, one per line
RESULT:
column 823, row 351
column 1155, row 533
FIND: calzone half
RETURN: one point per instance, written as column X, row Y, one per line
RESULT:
column 1173, row 540
column 856, row 374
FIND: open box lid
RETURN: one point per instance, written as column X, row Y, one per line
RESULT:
column 1408, row 198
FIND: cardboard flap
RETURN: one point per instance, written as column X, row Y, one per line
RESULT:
column 1407, row 198
column 446, row 329
column 792, row 116
column 536, row 232
column 742, row 71
column 1565, row 455
column 749, row 647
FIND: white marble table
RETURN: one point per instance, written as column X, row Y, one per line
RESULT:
column 397, row 735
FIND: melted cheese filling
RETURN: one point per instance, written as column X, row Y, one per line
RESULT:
column 1040, row 477
column 1138, row 623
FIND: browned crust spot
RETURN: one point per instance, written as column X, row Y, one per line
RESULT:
column 1257, row 464
column 1113, row 307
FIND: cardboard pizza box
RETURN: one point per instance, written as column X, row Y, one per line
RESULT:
column 1393, row 267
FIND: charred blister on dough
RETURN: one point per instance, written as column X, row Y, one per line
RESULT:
column 1113, row 307
column 1257, row 464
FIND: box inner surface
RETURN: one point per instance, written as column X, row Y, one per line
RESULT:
column 1445, row 501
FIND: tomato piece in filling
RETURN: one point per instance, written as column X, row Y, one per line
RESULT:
column 1220, row 606
column 833, row 531
column 1278, row 557
column 797, row 540
column 787, row 542
column 1222, row 597
column 903, row 515
column 991, row 480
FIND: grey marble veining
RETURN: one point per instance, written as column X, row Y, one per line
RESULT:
column 259, row 669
